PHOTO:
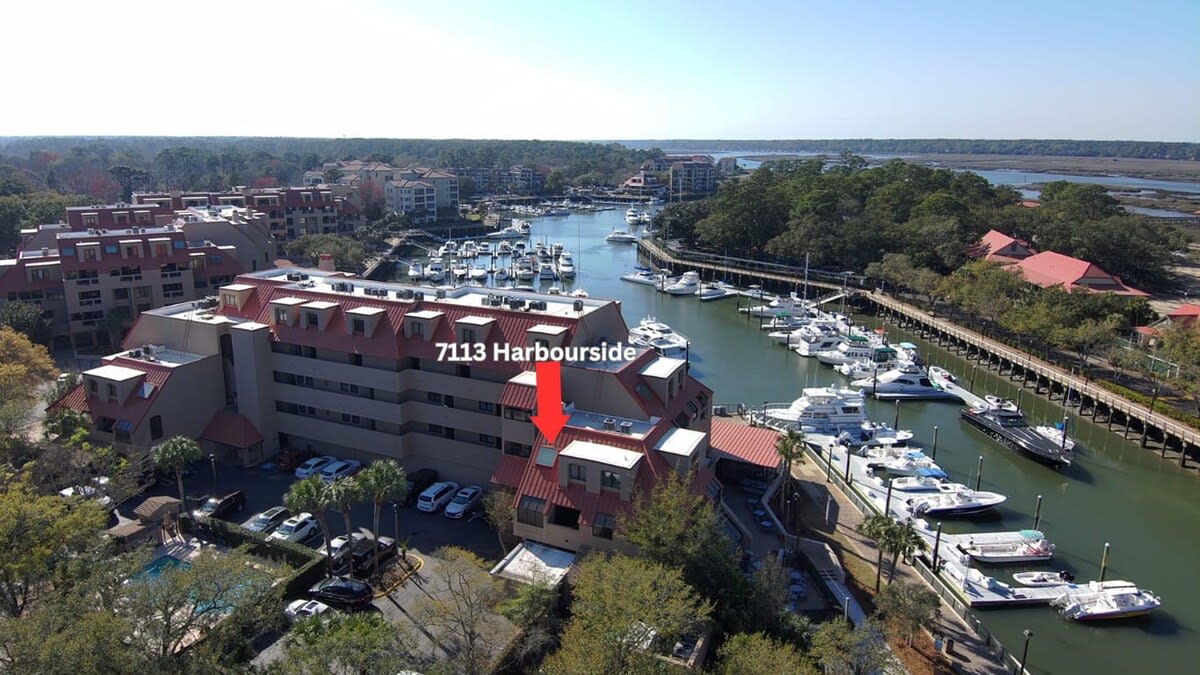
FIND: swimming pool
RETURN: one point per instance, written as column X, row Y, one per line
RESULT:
column 155, row 568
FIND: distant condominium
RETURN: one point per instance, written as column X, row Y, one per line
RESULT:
column 421, row 193
column 288, row 211
column 335, row 364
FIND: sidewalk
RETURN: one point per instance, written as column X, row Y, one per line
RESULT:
column 971, row 654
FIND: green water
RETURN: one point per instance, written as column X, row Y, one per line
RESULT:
column 1115, row 492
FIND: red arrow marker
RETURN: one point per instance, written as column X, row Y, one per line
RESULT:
column 550, row 418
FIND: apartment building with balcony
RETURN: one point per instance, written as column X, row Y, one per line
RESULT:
column 416, row 199
column 91, row 284
column 692, row 179
column 354, row 368
column 289, row 212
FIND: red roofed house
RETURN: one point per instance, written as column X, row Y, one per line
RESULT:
column 1186, row 314
column 1048, row 269
column 1002, row 248
column 359, row 369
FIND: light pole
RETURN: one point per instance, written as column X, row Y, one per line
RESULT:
column 846, row 609
column 396, row 520
column 1024, row 652
column 212, row 460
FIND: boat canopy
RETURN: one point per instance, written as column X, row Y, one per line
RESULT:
column 925, row 472
column 1031, row 534
column 914, row 454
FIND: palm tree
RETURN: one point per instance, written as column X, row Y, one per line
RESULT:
column 343, row 493
column 903, row 540
column 382, row 481
column 877, row 527
column 311, row 495
column 174, row 454
column 790, row 448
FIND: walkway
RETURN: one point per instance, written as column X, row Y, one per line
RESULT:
column 970, row 654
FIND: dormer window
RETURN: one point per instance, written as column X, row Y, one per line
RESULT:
column 311, row 320
column 358, row 326
column 281, row 315
column 229, row 300
column 610, row 479
column 416, row 329
column 93, row 387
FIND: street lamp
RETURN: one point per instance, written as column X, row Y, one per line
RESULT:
column 212, row 460
column 396, row 520
column 1025, row 652
column 846, row 609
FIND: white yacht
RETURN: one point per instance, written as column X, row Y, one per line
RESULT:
column 815, row 342
column 922, row 481
column 469, row 250
column 1056, row 435
column 435, row 270
column 478, row 272
column 504, row 248
column 715, row 291
column 485, row 248
column 687, row 284
column 829, row 410
column 650, row 332
column 851, row 348
column 525, row 271
column 963, row 502
column 901, row 383
column 633, row 216
column 556, row 249
column 566, row 266
column 1106, row 600
column 501, row 273
column 1059, row 578
column 546, row 271
column 621, row 237
column 416, row 271
column 789, row 305
column 644, row 276
column 784, row 322
column 460, row 270
column 896, row 459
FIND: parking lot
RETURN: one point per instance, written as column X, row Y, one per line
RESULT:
column 424, row 532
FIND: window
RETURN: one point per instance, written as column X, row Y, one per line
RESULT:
column 156, row 430
column 577, row 472
column 517, row 449
column 486, row 407
column 490, row 441
column 349, row 388
column 94, row 387
column 143, row 292
column 161, row 250
column 229, row 299
column 468, row 335
column 434, row 397
column 120, row 294
column 546, row 455
column 416, row 329
column 112, row 390
column 358, row 327
column 516, row 414
column 89, row 255
column 437, row 429
column 351, row 419
column 281, row 315
column 529, row 511
column 541, row 342
column 603, row 525
column 310, row 319
column 610, row 479
column 39, row 275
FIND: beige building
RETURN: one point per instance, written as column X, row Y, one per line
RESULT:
column 360, row 369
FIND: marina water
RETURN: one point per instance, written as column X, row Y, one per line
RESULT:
column 1115, row 492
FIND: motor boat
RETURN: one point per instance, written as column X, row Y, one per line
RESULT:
column 899, row 460
column 851, row 348
column 485, row 248
column 1105, row 600
column 941, row 377
column 788, row 305
column 621, row 237
column 715, row 291
column 902, row 383
column 556, row 249
column 830, row 410
column 579, row 293
column 997, row 403
column 783, row 321
column 460, row 270
column 435, row 271
column 633, row 216
column 504, row 248
column 963, row 502
column 816, row 342
column 1059, row 578
column 416, row 271
column 922, row 481
column 996, row 549
column 546, row 270
column 650, row 332
column 1007, row 425
column 687, row 284
column 510, row 232
column 478, row 272
column 1055, row 435
column 644, row 276
column 566, row 266
column 469, row 249
column 501, row 273
column 525, row 271
column 882, row 360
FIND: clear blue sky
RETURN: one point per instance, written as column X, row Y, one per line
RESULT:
column 591, row 70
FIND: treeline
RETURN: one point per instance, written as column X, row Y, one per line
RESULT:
column 956, row 146
column 83, row 165
column 845, row 216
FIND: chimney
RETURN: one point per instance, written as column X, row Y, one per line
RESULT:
column 325, row 262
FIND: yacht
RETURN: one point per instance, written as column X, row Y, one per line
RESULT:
column 644, row 276
column 566, row 266
column 963, row 502
column 923, row 481
column 469, row 250
column 1026, row 546
column 621, row 237
column 784, row 322
column 485, row 248
column 556, row 212
column 1106, row 600
column 1007, row 425
column 1002, row 404
column 546, row 270
column 645, row 218
column 633, row 216
column 715, row 291
column 851, row 348
column 510, row 232
column 501, row 273
column 902, row 383
column 1055, row 435
column 460, row 270
column 504, row 248
column 416, row 271
column 788, row 305
column 435, row 270
column 896, row 459
column 815, row 342
column 829, row 410
column 650, row 332
column 525, row 271
column 688, row 284
column 478, row 272
column 556, row 249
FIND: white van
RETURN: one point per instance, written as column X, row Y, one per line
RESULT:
column 436, row 496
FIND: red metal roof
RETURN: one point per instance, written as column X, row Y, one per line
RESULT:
column 992, row 244
column 509, row 470
column 134, row 409
column 1186, row 310
column 516, row 395
column 1048, row 269
column 742, row 443
column 75, row 399
column 233, row 429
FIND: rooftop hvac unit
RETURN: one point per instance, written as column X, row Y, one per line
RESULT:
column 486, row 301
column 610, row 424
column 440, row 294
column 496, row 301
column 516, row 303
column 539, row 304
column 405, row 294
column 578, row 305
column 720, row 411
column 292, row 276
column 627, row 427
column 418, row 296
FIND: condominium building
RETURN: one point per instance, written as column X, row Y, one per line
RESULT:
column 399, row 184
column 290, row 212
column 361, row 369
column 416, row 199
column 692, row 180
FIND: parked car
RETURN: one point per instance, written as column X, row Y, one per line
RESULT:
column 341, row 546
column 342, row 592
column 303, row 609
column 435, row 496
column 417, row 482
column 268, row 520
column 466, row 499
column 289, row 460
column 313, row 465
column 221, row 506
column 366, row 552
column 341, row 469
column 298, row 528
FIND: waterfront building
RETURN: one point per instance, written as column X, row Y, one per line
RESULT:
column 727, row 166
column 359, row 369
column 663, row 164
column 643, row 183
column 1047, row 268
column 416, row 199
column 1000, row 247
column 692, row 179
column 290, row 212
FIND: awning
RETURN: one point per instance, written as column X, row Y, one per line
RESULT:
column 232, row 429
column 742, row 443
column 124, row 425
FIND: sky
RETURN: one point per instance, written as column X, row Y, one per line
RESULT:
column 580, row 70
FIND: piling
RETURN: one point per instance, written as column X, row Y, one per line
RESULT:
column 896, row 420
column 937, row 545
column 1037, row 513
column 887, row 503
column 934, row 450
column 979, row 472
column 1104, row 561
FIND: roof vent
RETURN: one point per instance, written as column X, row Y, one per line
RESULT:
column 627, row 427
column 610, row 424
column 486, row 301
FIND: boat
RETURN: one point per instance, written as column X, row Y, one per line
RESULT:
column 788, row 337
column 851, row 348
column 469, row 250
column 579, row 293
column 1010, row 428
column 789, row 305
column 898, row 460
column 556, row 249
column 687, row 284
column 815, row 343
column 922, row 481
column 997, row 403
column 478, row 272
column 783, row 321
column 902, row 383
column 652, row 333
column 963, row 502
column 566, row 266
column 882, row 359
column 485, row 248
column 645, row 218
column 525, row 271
column 1105, row 600
column 644, row 276
column 546, row 270
column 633, row 216
column 715, row 291
column 510, row 232
column 1059, row 578
column 941, row 377
column 556, row 212
column 501, row 273
column 459, row 270
column 1054, row 433
column 416, row 271
column 504, row 248
column 621, row 237
column 1026, row 546
column 830, row 410
column 435, row 271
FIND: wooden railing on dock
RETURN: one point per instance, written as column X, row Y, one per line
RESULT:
column 741, row 268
